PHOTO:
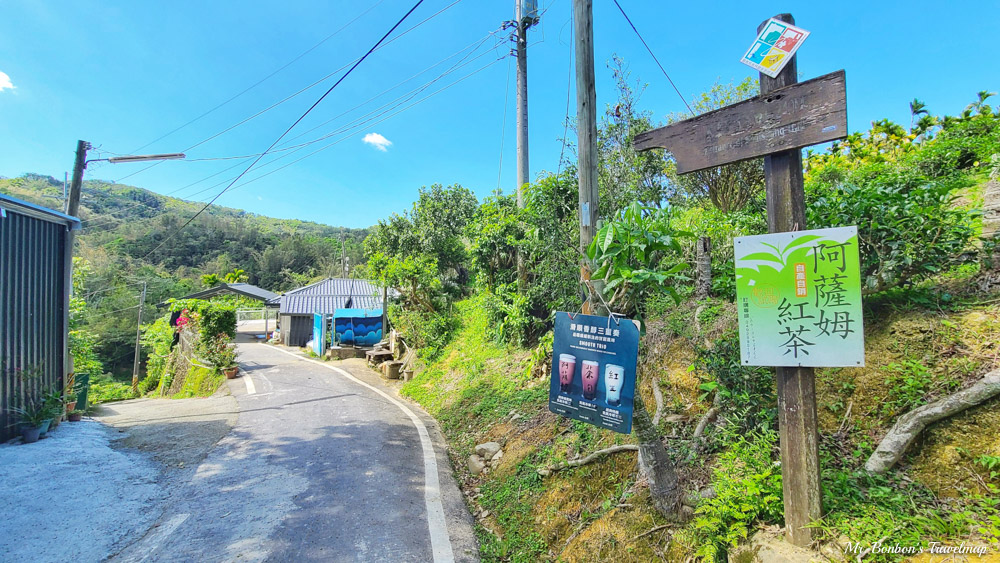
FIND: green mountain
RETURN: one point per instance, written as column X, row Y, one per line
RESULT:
column 130, row 223
column 124, row 226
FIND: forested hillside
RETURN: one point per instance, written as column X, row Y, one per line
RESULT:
column 124, row 225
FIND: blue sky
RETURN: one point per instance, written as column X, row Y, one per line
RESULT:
column 122, row 74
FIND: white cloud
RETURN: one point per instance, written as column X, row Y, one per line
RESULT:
column 378, row 141
column 5, row 83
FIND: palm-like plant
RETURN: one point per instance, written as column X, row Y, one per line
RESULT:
column 917, row 108
column 979, row 106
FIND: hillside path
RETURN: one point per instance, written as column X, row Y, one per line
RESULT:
column 322, row 465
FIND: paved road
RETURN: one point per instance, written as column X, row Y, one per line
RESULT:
column 322, row 465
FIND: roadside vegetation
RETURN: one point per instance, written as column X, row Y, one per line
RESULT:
column 482, row 326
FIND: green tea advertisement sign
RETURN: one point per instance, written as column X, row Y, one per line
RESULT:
column 799, row 299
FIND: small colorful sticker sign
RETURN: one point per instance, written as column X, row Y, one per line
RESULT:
column 774, row 47
column 798, row 296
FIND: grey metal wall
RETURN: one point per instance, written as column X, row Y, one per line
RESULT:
column 31, row 310
column 296, row 330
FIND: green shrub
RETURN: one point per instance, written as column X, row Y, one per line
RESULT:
column 747, row 487
column 428, row 332
column 104, row 389
column 211, row 318
column 908, row 225
column 509, row 314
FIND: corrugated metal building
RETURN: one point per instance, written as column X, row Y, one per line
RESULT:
column 35, row 280
column 296, row 307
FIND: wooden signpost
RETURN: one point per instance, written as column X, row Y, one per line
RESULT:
column 784, row 118
column 793, row 117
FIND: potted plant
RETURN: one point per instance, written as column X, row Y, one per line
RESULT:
column 32, row 417
column 75, row 415
column 222, row 354
column 52, row 402
column 70, row 391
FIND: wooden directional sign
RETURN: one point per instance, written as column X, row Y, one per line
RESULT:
column 803, row 114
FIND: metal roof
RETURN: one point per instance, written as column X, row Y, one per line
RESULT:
column 309, row 304
column 243, row 289
column 329, row 294
column 36, row 211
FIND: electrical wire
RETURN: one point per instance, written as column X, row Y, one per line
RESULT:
column 262, row 80
column 569, row 90
column 276, row 104
column 639, row 35
column 503, row 124
column 357, row 123
column 303, row 116
column 477, row 46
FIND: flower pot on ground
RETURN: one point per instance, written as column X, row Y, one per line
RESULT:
column 31, row 416
column 75, row 415
column 231, row 372
column 43, row 428
column 29, row 434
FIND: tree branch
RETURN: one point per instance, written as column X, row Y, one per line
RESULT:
column 908, row 427
column 590, row 458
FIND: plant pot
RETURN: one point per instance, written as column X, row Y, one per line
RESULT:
column 231, row 372
column 71, row 406
column 29, row 434
column 44, row 428
column 75, row 417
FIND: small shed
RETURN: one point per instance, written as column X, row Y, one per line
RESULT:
column 35, row 279
column 297, row 307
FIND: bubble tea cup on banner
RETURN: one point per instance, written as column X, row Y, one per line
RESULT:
column 591, row 372
column 567, row 367
column 614, row 378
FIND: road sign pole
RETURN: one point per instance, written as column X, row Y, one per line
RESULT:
column 786, row 211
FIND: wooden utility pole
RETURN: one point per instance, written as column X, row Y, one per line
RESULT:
column 138, row 334
column 586, row 129
column 786, row 211
column 72, row 206
column 523, row 21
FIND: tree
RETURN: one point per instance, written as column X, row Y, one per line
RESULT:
column 625, row 175
column 236, row 276
column 732, row 186
column 629, row 250
column 210, row 280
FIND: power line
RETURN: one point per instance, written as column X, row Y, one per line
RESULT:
column 358, row 122
column 287, row 98
column 301, row 117
column 262, row 80
column 569, row 90
column 653, row 55
column 342, row 139
column 503, row 124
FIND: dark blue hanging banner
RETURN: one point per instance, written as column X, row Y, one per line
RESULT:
column 593, row 370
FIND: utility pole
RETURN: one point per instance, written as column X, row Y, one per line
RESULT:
column 72, row 207
column 797, row 422
column 586, row 129
column 525, row 17
column 138, row 334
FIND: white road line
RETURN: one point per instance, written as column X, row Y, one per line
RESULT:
column 436, row 523
column 249, row 381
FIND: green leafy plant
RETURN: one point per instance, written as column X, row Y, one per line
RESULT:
column 32, row 413
column 628, row 252
column 747, row 489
